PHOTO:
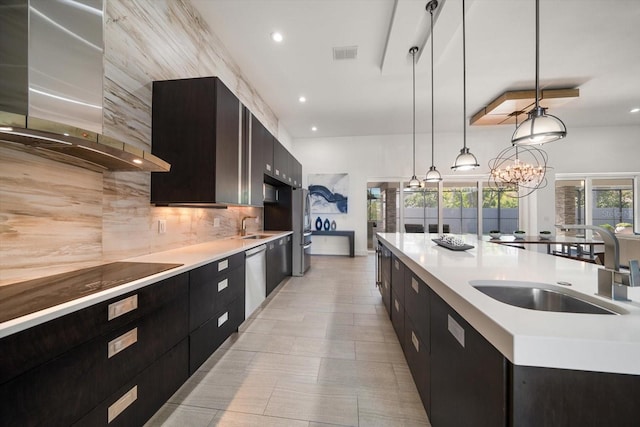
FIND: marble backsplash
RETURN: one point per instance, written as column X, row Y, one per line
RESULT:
column 56, row 217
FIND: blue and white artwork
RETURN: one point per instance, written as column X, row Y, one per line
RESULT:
column 328, row 192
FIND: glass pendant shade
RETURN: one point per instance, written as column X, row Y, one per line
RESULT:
column 539, row 128
column 433, row 175
column 414, row 183
column 465, row 161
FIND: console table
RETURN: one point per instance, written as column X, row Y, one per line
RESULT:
column 345, row 233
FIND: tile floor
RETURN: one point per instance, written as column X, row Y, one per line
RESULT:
column 320, row 352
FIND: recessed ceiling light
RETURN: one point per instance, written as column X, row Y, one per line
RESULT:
column 277, row 37
column 635, row 110
column 313, row 128
column 302, row 99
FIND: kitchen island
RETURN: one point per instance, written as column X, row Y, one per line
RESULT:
column 503, row 364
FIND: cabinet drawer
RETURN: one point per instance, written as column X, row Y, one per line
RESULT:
column 416, row 303
column 210, row 294
column 208, row 337
column 417, row 354
column 397, row 319
column 135, row 402
column 57, row 392
column 215, row 268
column 34, row 346
column 397, row 278
column 385, row 291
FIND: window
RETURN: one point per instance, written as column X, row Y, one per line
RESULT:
column 499, row 210
column 460, row 207
column 421, row 206
column 612, row 205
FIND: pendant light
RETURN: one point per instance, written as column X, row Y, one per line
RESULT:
column 539, row 127
column 466, row 160
column 432, row 175
column 414, row 182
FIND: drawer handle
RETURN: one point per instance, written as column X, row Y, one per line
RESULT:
column 455, row 329
column 223, row 284
column 277, row 172
column 121, row 404
column 268, row 167
column 415, row 341
column 125, row 340
column 396, row 264
column 121, row 307
column 395, row 302
column 414, row 285
column 284, row 175
column 223, row 319
column 223, row 265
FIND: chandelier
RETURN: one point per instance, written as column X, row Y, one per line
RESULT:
column 521, row 169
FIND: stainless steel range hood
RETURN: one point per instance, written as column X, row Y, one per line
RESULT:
column 51, row 92
column 93, row 148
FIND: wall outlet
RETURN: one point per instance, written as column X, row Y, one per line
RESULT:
column 216, row 222
column 257, row 220
column 162, row 226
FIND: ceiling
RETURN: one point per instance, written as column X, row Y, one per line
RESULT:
column 585, row 44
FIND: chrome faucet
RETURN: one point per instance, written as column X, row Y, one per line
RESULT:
column 612, row 283
column 243, row 229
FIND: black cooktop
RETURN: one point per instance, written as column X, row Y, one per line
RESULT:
column 26, row 297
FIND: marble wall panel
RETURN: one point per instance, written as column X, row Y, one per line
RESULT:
column 50, row 216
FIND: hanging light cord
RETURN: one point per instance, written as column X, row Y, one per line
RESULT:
column 537, row 53
column 432, row 115
column 413, row 53
column 464, row 82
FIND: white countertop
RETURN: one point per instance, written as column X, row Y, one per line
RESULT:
column 190, row 256
column 591, row 342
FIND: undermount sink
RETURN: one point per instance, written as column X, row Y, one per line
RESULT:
column 255, row 237
column 540, row 296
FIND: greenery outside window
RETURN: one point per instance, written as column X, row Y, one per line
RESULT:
column 499, row 210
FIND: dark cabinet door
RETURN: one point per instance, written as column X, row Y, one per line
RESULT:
column 296, row 171
column 280, row 162
column 397, row 278
column 261, row 160
column 288, row 254
column 468, row 374
column 196, row 127
column 385, row 276
column 416, row 351
column 274, row 266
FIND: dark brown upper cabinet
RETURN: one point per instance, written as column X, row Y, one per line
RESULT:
column 196, row 127
column 261, row 159
column 281, row 163
column 262, row 142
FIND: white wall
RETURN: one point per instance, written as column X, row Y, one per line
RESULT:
column 388, row 157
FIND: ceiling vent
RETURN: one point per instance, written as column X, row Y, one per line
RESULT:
column 499, row 111
column 345, row 52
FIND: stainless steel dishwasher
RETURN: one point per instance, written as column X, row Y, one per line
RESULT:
column 255, row 278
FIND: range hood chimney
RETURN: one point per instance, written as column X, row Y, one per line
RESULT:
column 51, row 91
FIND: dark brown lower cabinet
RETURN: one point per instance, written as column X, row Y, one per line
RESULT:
column 416, row 351
column 64, row 388
column 135, row 402
column 468, row 375
column 397, row 318
column 385, row 291
column 560, row 397
column 207, row 338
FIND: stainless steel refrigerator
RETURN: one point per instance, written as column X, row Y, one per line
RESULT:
column 301, row 223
